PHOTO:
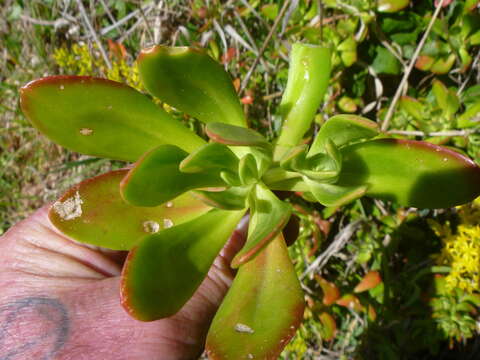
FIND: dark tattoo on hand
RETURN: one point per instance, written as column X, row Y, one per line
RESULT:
column 33, row 328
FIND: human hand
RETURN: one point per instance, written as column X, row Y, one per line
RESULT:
column 59, row 299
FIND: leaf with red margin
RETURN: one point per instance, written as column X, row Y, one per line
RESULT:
column 350, row 301
column 101, row 117
column 268, row 217
column 104, row 219
column 369, row 281
column 156, row 178
column 191, row 81
column 412, row 173
column 235, row 135
column 262, row 309
column 341, row 130
column 330, row 291
column 162, row 273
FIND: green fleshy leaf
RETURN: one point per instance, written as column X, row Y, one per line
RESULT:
column 156, row 178
column 307, row 83
column 93, row 212
column 321, row 167
column 270, row 11
column 390, row 6
column 235, row 135
column 191, row 81
column 343, row 129
column 247, row 169
column 280, row 179
column 161, row 274
column 471, row 116
column 334, row 195
column 101, row 117
column 385, row 62
column 294, row 157
column 230, row 178
column 412, row 106
column 263, row 157
column 329, row 326
column 268, row 216
column 234, row 198
column 443, row 65
column 212, row 156
column 412, row 173
column 348, row 51
column 262, row 309
column 324, row 167
column 446, row 99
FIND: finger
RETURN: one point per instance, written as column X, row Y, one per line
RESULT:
column 34, row 246
column 237, row 240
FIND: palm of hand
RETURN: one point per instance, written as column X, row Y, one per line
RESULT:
column 59, row 300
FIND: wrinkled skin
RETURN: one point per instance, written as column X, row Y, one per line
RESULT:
column 59, row 299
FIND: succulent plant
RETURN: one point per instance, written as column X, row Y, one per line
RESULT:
column 175, row 208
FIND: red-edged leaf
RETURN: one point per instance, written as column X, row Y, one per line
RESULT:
column 350, row 301
column 412, row 173
column 156, row 178
column 369, row 281
column 191, row 81
column 269, row 215
column 93, row 212
column 162, row 273
column 101, row 117
column 330, row 291
column 262, row 309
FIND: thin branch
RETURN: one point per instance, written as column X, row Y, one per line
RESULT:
column 55, row 23
column 404, row 80
column 337, row 244
column 235, row 35
column 264, row 46
column 123, row 20
column 272, row 95
column 470, row 73
column 157, row 34
column 107, row 11
column 94, row 34
column 320, row 17
column 134, row 26
column 145, row 20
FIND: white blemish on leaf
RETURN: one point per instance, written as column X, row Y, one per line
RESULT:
column 250, row 356
column 151, row 226
column 62, row 87
column 70, row 208
column 169, row 204
column 86, row 131
column 167, row 223
column 242, row 328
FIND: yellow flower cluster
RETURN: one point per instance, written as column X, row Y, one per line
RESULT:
column 297, row 347
column 461, row 249
column 79, row 59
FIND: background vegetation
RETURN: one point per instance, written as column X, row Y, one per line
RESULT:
column 413, row 66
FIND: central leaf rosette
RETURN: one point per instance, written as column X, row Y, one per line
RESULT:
column 228, row 174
